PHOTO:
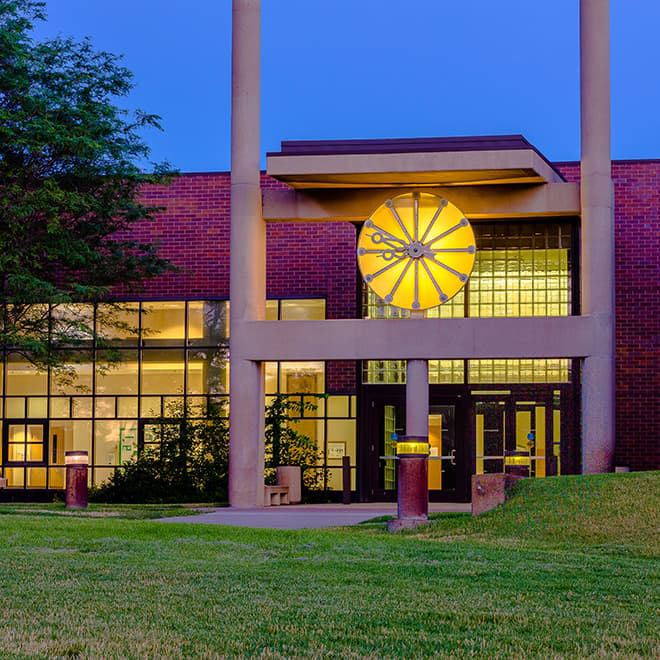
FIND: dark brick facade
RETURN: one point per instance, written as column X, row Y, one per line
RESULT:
column 318, row 260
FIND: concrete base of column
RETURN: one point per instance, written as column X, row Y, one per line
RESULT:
column 246, row 440
column 598, row 434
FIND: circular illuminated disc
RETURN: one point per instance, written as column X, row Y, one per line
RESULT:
column 416, row 251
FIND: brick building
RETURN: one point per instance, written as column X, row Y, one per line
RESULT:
column 483, row 412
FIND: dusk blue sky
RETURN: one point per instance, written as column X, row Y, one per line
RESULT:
column 334, row 69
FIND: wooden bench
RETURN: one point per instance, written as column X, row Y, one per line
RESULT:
column 276, row 495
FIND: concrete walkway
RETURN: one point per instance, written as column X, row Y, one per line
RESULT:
column 304, row 516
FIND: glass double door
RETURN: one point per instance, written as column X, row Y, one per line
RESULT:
column 449, row 460
column 515, row 435
column 472, row 432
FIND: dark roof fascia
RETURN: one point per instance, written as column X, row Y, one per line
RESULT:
column 406, row 145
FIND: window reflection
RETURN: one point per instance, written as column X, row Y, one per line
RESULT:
column 207, row 322
column 125, row 320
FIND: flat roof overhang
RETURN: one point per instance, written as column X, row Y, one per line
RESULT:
column 461, row 161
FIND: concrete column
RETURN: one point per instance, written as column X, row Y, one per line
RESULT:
column 417, row 398
column 248, row 259
column 597, row 234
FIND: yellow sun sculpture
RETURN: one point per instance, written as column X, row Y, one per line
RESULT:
column 416, row 251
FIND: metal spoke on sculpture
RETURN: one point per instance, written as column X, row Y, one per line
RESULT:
column 416, row 251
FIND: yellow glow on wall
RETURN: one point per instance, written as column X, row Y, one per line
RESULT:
column 416, row 251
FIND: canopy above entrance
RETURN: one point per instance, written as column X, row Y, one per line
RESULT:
column 484, row 160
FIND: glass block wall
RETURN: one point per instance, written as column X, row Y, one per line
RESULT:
column 520, row 270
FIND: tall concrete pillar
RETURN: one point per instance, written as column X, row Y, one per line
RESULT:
column 248, row 259
column 597, row 234
column 417, row 398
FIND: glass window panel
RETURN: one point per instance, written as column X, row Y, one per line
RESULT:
column 163, row 323
column 74, row 323
column 81, row 406
column 172, row 406
column 100, row 475
column 337, row 406
column 271, row 377
column 60, row 406
column 35, row 433
column 15, row 477
column 120, row 377
column 312, row 428
column 150, row 406
column 106, row 440
column 56, row 478
column 16, row 452
column 37, row 407
column 302, row 377
column 128, row 441
column 384, row 372
column 208, row 371
column 69, row 436
column 197, row 406
column 519, row 371
column 15, row 407
column 319, row 406
column 23, row 378
column 341, row 431
column 77, row 380
column 162, row 372
column 207, row 322
column 127, row 406
column 272, row 310
column 303, row 309
column 104, row 406
column 35, row 453
column 118, row 324
column 446, row 371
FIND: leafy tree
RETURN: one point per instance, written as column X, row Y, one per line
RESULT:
column 69, row 185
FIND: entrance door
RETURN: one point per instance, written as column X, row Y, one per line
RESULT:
column 449, row 462
column 510, row 432
column 25, row 449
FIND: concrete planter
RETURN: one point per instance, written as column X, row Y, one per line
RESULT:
column 290, row 475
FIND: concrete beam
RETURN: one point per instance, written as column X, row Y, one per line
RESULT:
column 477, row 202
column 426, row 339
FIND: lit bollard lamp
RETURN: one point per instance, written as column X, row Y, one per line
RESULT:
column 412, row 454
column 76, row 479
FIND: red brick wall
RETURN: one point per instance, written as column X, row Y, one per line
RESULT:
column 307, row 260
column 637, row 254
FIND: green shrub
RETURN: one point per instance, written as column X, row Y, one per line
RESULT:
column 188, row 461
column 285, row 445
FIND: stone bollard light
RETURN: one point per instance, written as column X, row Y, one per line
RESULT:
column 76, row 479
column 412, row 453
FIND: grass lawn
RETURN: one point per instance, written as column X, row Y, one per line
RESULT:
column 568, row 568
column 131, row 511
